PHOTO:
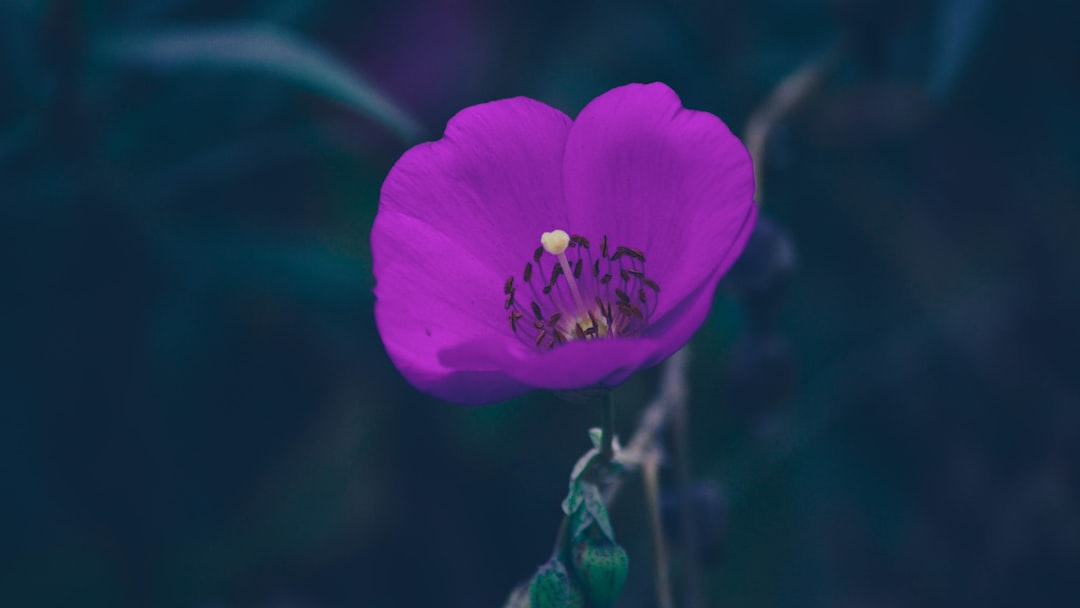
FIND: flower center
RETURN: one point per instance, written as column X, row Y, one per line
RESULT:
column 584, row 296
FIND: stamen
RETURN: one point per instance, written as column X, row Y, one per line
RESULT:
column 557, row 314
column 580, row 240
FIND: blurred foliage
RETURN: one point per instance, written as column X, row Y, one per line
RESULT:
column 197, row 410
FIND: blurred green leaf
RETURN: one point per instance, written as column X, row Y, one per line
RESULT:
column 264, row 49
column 596, row 435
column 583, row 464
column 584, row 505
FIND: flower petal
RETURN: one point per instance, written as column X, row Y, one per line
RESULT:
column 493, row 182
column 570, row 366
column 672, row 182
column 456, row 217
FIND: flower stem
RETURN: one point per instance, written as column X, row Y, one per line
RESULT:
column 650, row 473
column 687, row 525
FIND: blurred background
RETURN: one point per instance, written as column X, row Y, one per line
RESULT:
column 197, row 410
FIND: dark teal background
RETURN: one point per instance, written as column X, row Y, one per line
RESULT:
column 196, row 410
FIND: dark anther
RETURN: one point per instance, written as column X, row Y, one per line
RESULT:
column 635, row 253
column 509, row 286
column 592, row 331
column 556, row 273
column 641, row 296
column 514, row 316
column 604, row 310
column 636, row 273
column 651, row 284
column 538, row 324
column 606, row 279
column 619, row 252
column 577, row 270
column 603, row 246
column 536, row 310
column 580, row 240
column 547, row 289
column 554, row 318
column 596, row 268
column 540, row 336
column 528, row 272
column 592, row 320
column 509, row 301
column 625, row 275
column 625, row 299
column 578, row 331
column 559, row 337
column 624, row 309
column 636, row 312
column 536, row 254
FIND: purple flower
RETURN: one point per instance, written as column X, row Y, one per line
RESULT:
column 642, row 205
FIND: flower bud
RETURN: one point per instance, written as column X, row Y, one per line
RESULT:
column 553, row 587
column 601, row 565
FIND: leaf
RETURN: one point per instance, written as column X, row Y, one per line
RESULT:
column 596, row 435
column 264, row 49
column 588, row 509
column 594, row 505
column 573, row 499
column 583, row 464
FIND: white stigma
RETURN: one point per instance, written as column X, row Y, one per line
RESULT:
column 555, row 242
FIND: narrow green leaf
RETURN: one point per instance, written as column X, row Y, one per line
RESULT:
column 594, row 505
column 585, row 507
column 596, row 435
column 583, row 464
column 573, row 499
column 264, row 49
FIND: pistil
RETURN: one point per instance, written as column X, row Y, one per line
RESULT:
column 555, row 243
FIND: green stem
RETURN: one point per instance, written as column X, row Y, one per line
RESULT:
column 607, row 453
